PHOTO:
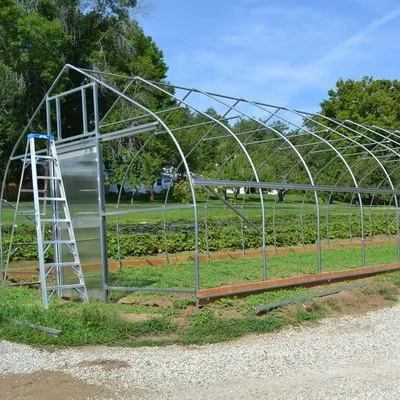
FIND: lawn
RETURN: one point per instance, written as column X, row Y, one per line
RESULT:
column 139, row 319
column 214, row 209
column 215, row 272
column 145, row 320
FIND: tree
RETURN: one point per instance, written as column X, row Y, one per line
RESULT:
column 9, row 98
column 37, row 37
column 368, row 101
column 31, row 53
column 122, row 165
column 150, row 168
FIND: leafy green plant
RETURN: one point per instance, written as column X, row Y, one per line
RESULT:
column 137, row 240
column 181, row 191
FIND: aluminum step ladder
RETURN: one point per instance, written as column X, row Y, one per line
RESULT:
column 53, row 226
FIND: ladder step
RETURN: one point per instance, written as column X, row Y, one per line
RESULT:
column 31, row 191
column 66, row 287
column 27, row 213
column 45, row 158
column 55, row 220
column 39, row 159
column 58, row 242
column 62, row 264
column 52, row 198
column 49, row 177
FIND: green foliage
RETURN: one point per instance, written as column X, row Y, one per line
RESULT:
column 181, row 192
column 183, row 303
column 149, row 170
column 99, row 323
column 204, row 327
column 275, row 296
column 137, row 240
column 389, row 292
column 81, row 324
column 38, row 38
column 310, row 311
column 368, row 101
column 215, row 272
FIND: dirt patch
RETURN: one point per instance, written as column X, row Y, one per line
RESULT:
column 360, row 301
column 230, row 313
column 50, row 386
column 106, row 364
column 162, row 301
column 189, row 310
column 164, row 340
column 349, row 302
column 229, row 308
column 181, row 322
column 134, row 317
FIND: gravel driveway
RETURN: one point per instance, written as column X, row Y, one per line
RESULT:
column 353, row 357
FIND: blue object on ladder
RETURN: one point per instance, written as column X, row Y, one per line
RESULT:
column 40, row 136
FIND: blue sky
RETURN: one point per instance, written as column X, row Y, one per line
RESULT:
column 283, row 52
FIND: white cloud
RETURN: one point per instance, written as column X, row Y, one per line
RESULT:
column 344, row 48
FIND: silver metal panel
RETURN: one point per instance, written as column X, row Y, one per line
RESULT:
column 78, row 163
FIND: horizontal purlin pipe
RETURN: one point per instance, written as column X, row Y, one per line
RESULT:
column 68, row 92
column 292, row 186
column 133, row 130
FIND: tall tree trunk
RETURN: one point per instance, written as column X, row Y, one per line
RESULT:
column 281, row 195
column 236, row 194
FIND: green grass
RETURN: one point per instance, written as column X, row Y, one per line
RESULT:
column 81, row 324
column 144, row 235
column 207, row 327
column 215, row 272
column 99, row 323
column 217, row 210
column 176, row 321
column 275, row 296
column 173, row 319
column 96, row 323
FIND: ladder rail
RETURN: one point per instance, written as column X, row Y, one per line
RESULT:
column 54, row 211
column 14, row 223
column 63, row 194
column 39, row 236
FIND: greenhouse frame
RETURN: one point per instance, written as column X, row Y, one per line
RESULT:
column 331, row 165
